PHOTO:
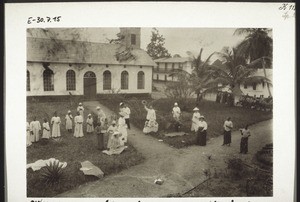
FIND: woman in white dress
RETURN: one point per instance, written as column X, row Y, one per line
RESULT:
column 28, row 140
column 78, row 130
column 46, row 130
column 195, row 120
column 35, row 128
column 55, row 121
column 69, row 122
column 89, row 124
column 122, row 128
column 80, row 109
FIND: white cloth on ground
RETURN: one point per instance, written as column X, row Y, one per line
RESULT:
column 37, row 165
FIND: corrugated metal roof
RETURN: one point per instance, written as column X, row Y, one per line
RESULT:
column 67, row 51
column 174, row 60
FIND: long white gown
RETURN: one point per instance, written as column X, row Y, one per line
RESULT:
column 78, row 130
column 89, row 125
column 195, row 121
column 80, row 109
column 55, row 121
column 46, row 131
column 69, row 122
column 35, row 128
column 122, row 128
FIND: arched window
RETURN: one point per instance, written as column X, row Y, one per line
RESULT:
column 106, row 80
column 71, row 80
column 28, row 81
column 124, row 80
column 89, row 74
column 141, row 80
column 48, row 78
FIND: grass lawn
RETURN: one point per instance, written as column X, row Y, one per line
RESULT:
column 215, row 114
column 71, row 150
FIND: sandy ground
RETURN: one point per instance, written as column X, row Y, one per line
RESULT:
column 181, row 169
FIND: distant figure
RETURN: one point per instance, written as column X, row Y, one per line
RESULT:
column 201, row 134
column 176, row 115
column 218, row 98
column 78, row 130
column 80, row 109
column 122, row 128
column 126, row 110
column 228, row 125
column 69, row 122
column 35, row 128
column 28, row 138
column 89, row 124
column 100, row 136
column 245, row 132
column 100, row 114
column 195, row 119
column 46, row 129
column 55, row 121
column 150, row 125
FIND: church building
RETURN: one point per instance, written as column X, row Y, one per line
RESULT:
column 58, row 67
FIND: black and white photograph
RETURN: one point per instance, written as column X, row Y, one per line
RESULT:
column 154, row 111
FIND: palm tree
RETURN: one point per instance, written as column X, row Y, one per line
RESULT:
column 232, row 73
column 257, row 46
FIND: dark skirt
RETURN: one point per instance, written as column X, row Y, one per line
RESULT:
column 227, row 137
column 201, row 138
column 244, row 145
column 100, row 138
column 128, row 123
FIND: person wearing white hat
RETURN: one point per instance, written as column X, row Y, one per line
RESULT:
column 69, row 122
column 195, row 120
column 122, row 128
column 176, row 115
column 80, row 109
column 201, row 134
column 89, row 124
column 55, row 121
column 126, row 110
column 78, row 130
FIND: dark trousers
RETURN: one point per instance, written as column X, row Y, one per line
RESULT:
column 244, row 145
column 128, row 123
column 100, row 138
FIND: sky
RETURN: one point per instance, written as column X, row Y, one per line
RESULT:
column 177, row 40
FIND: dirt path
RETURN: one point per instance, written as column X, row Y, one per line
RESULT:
column 182, row 169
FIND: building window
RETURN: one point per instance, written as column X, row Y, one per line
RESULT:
column 71, row 80
column 165, row 77
column 254, row 86
column 133, row 39
column 124, row 80
column 245, row 86
column 141, row 80
column 157, row 77
column 106, row 80
column 48, row 78
column 28, row 81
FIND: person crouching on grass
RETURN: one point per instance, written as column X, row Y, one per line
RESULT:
column 245, row 132
column 89, row 124
column 201, row 133
column 46, row 129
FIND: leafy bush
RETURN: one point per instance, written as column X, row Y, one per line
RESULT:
column 52, row 174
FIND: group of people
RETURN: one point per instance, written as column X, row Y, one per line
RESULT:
column 258, row 103
column 225, row 98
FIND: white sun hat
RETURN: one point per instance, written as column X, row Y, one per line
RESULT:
column 201, row 117
column 80, row 103
column 69, row 111
column 121, row 103
column 176, row 104
column 89, row 115
column 98, row 107
column 196, row 109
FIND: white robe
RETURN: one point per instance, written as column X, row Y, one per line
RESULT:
column 80, row 109
column 176, row 113
column 195, row 121
column 151, row 115
column 69, row 122
column 55, row 121
column 35, row 128
column 28, row 140
column 122, row 128
column 46, row 131
column 89, row 125
column 78, row 131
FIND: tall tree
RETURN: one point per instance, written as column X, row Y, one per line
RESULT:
column 156, row 47
column 257, row 46
column 233, row 72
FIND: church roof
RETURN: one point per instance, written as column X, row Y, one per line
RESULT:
column 68, row 51
column 174, row 60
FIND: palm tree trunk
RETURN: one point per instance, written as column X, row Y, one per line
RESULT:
column 263, row 65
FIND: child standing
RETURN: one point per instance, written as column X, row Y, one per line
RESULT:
column 46, row 129
column 89, row 124
column 245, row 132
